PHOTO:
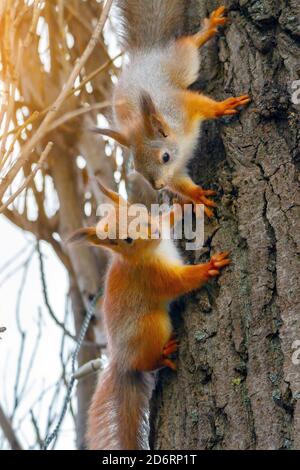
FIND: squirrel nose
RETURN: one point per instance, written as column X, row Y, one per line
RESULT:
column 159, row 184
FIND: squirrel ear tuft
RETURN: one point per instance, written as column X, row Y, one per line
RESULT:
column 153, row 122
column 117, row 136
column 86, row 235
column 147, row 105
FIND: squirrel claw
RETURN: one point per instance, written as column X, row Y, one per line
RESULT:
column 220, row 256
column 218, row 12
column 200, row 198
column 209, row 192
column 208, row 212
column 221, row 264
column 208, row 202
column 228, row 107
column 217, row 262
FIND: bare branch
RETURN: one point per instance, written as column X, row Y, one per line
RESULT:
column 78, row 112
column 36, row 429
column 46, row 298
column 17, row 394
column 8, row 431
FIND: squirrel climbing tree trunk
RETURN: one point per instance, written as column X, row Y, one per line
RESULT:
column 237, row 386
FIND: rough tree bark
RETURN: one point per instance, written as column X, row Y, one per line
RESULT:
column 236, row 386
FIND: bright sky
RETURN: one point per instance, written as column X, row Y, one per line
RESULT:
column 46, row 367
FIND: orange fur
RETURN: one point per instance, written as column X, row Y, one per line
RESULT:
column 200, row 107
column 197, row 107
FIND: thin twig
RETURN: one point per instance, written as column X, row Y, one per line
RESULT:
column 78, row 112
column 33, row 356
column 27, row 180
column 17, row 394
column 18, row 132
column 8, row 431
column 95, row 72
column 35, row 425
column 45, row 294
column 14, row 257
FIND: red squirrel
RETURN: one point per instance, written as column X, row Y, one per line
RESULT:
column 154, row 112
column 145, row 274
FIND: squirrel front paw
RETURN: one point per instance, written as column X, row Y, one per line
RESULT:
column 228, row 107
column 217, row 262
column 200, row 197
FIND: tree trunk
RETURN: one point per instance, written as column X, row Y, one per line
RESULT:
column 236, row 386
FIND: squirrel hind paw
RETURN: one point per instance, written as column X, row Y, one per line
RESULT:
column 170, row 348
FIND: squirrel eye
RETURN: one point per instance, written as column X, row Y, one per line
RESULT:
column 162, row 133
column 166, row 157
column 128, row 240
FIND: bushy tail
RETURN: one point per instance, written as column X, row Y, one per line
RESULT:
column 146, row 23
column 118, row 415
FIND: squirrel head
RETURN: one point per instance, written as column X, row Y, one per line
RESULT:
column 154, row 145
column 128, row 230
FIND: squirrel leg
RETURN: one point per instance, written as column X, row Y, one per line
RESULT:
column 195, row 276
column 201, row 273
column 200, row 107
column 179, row 280
column 210, row 27
column 146, row 347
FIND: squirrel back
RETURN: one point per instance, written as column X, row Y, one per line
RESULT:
column 148, row 23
